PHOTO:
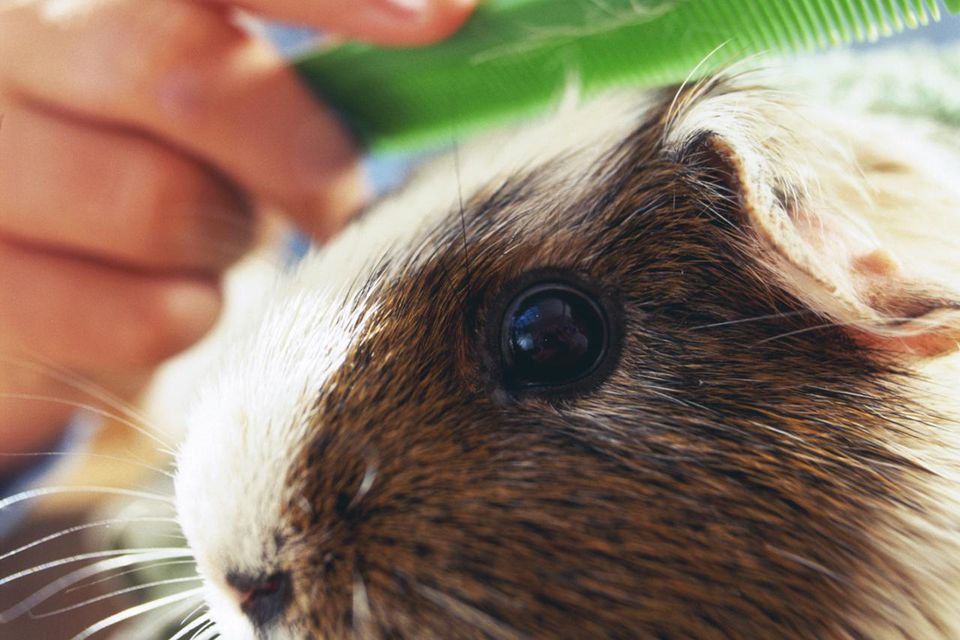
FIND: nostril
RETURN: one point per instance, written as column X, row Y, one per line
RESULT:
column 262, row 598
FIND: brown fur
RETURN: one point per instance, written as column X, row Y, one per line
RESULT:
column 722, row 483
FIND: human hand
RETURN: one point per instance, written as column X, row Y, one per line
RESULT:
column 138, row 136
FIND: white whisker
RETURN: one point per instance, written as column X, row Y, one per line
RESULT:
column 71, row 379
column 175, row 538
column 133, row 612
column 160, row 621
column 199, row 626
column 210, row 634
column 197, row 609
column 125, row 572
column 40, row 492
column 84, row 454
column 470, row 614
column 113, row 594
column 93, row 555
column 163, row 445
column 206, row 631
column 672, row 111
column 769, row 316
column 115, row 560
column 888, row 329
column 81, row 527
column 361, row 609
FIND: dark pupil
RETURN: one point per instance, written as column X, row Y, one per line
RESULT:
column 552, row 336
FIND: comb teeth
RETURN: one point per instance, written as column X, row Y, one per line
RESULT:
column 818, row 24
column 515, row 57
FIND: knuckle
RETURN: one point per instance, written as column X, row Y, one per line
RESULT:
column 179, row 70
column 155, row 195
column 180, row 211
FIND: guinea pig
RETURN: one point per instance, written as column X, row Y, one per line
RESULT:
column 671, row 364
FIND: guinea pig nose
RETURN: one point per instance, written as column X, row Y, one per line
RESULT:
column 262, row 598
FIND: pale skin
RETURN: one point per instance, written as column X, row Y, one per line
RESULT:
column 139, row 140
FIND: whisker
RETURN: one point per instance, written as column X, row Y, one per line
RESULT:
column 797, row 332
column 113, row 594
column 197, row 609
column 470, row 614
column 81, row 527
column 136, row 555
column 120, row 574
column 73, row 380
column 369, row 477
column 206, row 630
column 40, row 492
column 673, row 111
column 210, row 633
column 161, row 621
column 463, row 219
column 770, row 316
column 361, row 614
column 163, row 445
column 72, row 578
column 84, row 454
column 135, row 611
column 178, row 537
column 666, row 394
column 201, row 624
column 890, row 321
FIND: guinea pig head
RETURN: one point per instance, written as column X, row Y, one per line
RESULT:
column 645, row 371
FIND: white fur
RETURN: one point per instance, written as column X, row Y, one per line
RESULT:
column 248, row 426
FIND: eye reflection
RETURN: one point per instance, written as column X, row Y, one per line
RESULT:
column 552, row 335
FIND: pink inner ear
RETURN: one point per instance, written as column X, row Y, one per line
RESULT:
column 832, row 261
column 849, row 261
column 923, row 345
column 882, row 307
column 848, row 257
column 876, row 263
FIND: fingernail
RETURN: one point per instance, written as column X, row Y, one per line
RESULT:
column 423, row 9
column 406, row 8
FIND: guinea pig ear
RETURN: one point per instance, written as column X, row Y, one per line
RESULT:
column 810, row 213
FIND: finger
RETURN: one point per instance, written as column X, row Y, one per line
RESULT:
column 183, row 73
column 85, row 189
column 386, row 22
column 33, row 412
column 96, row 318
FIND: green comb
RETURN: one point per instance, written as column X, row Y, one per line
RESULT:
column 515, row 57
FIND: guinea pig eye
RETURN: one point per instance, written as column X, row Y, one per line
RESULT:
column 554, row 336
